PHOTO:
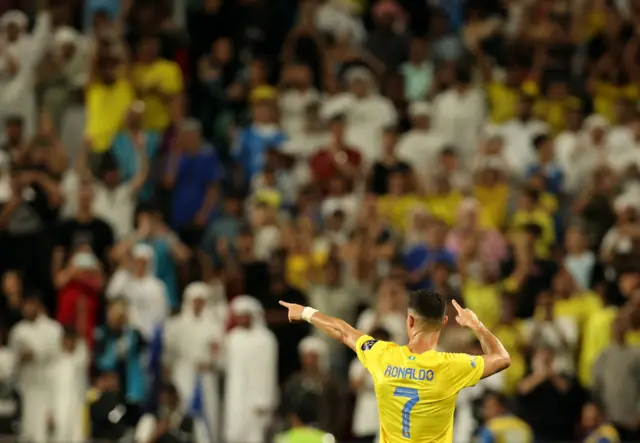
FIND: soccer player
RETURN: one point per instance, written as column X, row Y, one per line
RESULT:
column 416, row 385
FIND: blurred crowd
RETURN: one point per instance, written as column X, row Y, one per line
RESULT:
column 170, row 169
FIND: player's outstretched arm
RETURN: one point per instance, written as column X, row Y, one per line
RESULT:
column 334, row 327
column 496, row 357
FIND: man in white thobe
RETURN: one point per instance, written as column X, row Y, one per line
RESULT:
column 367, row 113
column 70, row 389
column 193, row 344
column 35, row 341
column 20, row 55
column 251, row 393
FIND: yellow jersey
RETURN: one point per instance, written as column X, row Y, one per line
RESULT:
column 506, row 429
column 604, row 434
column 416, row 392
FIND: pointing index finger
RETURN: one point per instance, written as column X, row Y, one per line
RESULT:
column 457, row 306
column 285, row 304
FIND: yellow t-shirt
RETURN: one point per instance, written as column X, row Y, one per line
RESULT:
column 542, row 219
column 606, row 96
column 107, row 107
column 504, row 100
column 166, row 76
column 604, row 434
column 445, row 207
column 595, row 338
column 579, row 307
column 509, row 428
column 416, row 392
column 493, row 205
column 513, row 340
column 484, row 300
column 298, row 267
column 396, row 210
column 554, row 112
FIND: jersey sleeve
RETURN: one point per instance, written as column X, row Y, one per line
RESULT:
column 370, row 350
column 464, row 370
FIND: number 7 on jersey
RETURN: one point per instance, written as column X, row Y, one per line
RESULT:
column 413, row 398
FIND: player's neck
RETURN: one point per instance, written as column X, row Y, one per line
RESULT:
column 423, row 341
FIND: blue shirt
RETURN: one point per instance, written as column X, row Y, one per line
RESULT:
column 419, row 257
column 165, row 269
column 196, row 173
column 226, row 227
column 551, row 172
column 124, row 152
column 251, row 149
column 92, row 6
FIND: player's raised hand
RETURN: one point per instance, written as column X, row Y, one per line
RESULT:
column 295, row 311
column 465, row 317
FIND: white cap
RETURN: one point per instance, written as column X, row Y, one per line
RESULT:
column 420, row 109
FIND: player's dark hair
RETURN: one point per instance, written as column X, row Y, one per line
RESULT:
column 428, row 304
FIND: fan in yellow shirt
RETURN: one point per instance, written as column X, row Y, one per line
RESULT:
column 108, row 99
column 510, row 331
column 159, row 83
column 530, row 212
column 492, row 191
column 552, row 107
column 398, row 205
column 500, row 425
column 444, row 202
column 597, row 429
column 608, row 95
column 416, row 386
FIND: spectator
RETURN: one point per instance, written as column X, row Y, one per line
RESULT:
column 145, row 294
column 251, row 381
column 546, row 166
column 105, row 398
column 132, row 146
column 11, row 303
column 499, row 421
column 263, row 133
column 79, row 296
column 388, row 314
column 421, row 143
column 170, row 424
column 118, row 350
column 594, row 424
column 109, row 96
column 70, row 390
column 297, row 96
column 193, row 346
column 579, row 261
column 365, row 421
column 15, row 139
column 24, row 52
column 366, row 112
column 378, row 177
column 35, row 342
column 302, row 429
column 158, row 83
column 315, row 380
column 458, row 113
column 545, row 396
column 614, row 386
column 417, row 72
column 193, row 174
column 337, row 158
column 83, row 231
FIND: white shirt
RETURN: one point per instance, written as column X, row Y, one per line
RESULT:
column 552, row 334
column 336, row 20
column 419, row 148
column 304, row 145
column 518, row 142
column 346, row 203
column 293, row 104
column 116, row 207
column 267, row 240
column 395, row 323
column 365, row 118
column 459, row 118
column 365, row 413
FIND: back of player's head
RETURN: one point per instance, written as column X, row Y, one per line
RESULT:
column 428, row 305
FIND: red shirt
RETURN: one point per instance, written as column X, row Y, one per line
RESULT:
column 323, row 164
column 78, row 303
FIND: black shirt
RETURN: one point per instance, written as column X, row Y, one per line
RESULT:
column 380, row 175
column 95, row 233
